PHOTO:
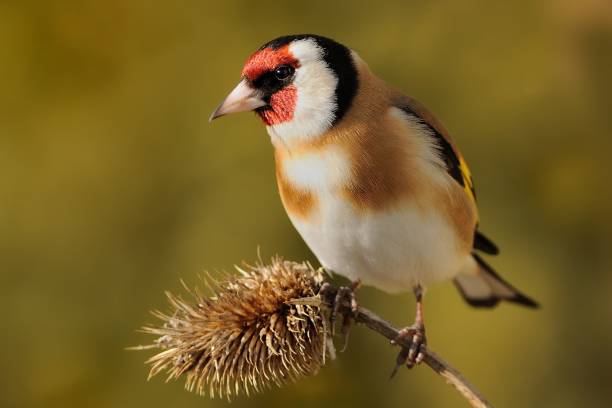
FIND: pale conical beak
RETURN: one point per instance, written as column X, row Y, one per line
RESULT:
column 243, row 98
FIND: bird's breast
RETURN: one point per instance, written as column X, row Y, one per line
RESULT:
column 307, row 179
column 391, row 248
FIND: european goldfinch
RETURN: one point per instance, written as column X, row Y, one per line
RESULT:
column 368, row 176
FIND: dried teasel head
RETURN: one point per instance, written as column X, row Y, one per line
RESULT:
column 259, row 328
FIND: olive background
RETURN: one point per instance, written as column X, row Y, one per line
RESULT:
column 114, row 186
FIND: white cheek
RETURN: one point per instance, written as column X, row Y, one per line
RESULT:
column 316, row 99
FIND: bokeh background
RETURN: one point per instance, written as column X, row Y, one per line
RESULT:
column 113, row 186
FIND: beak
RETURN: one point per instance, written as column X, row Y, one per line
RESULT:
column 243, row 98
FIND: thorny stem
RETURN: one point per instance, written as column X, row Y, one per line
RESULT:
column 435, row 362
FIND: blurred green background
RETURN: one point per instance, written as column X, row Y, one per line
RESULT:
column 113, row 186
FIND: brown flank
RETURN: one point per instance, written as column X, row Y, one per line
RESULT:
column 298, row 202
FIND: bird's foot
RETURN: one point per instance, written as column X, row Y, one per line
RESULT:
column 414, row 354
column 345, row 295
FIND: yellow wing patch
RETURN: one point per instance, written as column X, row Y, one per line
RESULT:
column 466, row 174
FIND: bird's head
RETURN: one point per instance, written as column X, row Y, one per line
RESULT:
column 299, row 85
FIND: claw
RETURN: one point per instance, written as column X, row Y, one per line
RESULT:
column 340, row 296
column 413, row 349
column 347, row 321
column 344, row 294
column 399, row 361
column 420, row 356
column 414, row 354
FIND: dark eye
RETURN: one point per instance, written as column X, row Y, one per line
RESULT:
column 283, row 72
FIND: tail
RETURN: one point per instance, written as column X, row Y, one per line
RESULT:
column 481, row 286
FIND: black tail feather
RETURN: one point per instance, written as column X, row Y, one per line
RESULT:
column 481, row 242
column 486, row 288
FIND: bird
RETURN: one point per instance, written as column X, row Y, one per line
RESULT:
column 368, row 176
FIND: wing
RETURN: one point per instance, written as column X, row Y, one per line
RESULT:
column 455, row 164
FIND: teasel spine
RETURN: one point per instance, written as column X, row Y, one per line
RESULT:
column 250, row 334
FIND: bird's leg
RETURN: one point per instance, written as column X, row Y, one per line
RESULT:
column 416, row 333
column 344, row 294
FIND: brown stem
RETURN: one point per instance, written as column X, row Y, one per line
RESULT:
column 435, row 362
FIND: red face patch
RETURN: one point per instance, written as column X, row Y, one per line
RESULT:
column 282, row 105
column 266, row 60
column 282, row 102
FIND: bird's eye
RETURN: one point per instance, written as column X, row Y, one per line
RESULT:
column 283, row 72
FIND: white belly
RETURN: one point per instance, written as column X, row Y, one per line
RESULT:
column 391, row 250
